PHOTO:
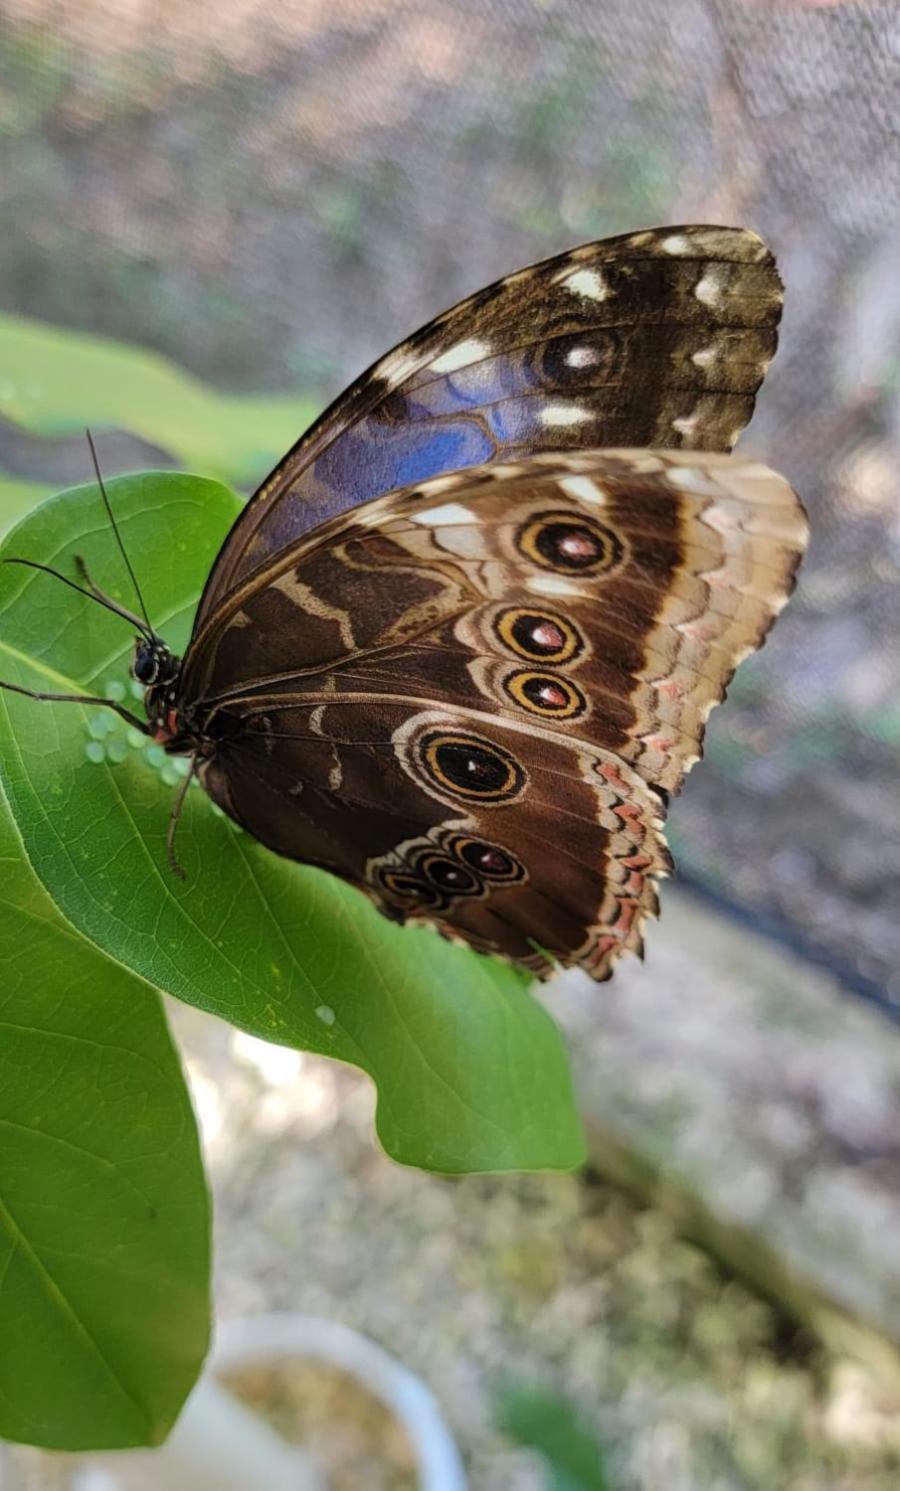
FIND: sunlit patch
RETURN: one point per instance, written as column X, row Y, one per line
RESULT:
column 710, row 288
column 398, row 366
column 705, row 357
column 207, row 1103
column 582, row 357
column 588, row 283
column 450, row 512
column 676, row 243
column 461, row 355
column 278, row 1066
column 694, row 479
column 552, row 585
column 563, row 414
column 436, row 484
column 583, row 488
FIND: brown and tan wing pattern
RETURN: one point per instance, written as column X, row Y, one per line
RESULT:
column 657, row 338
column 464, row 697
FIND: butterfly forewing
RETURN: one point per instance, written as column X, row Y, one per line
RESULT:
column 464, row 697
column 655, row 338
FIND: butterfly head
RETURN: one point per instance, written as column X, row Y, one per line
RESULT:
column 153, row 663
column 158, row 670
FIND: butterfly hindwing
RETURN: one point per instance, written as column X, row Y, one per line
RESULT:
column 655, row 338
column 465, row 697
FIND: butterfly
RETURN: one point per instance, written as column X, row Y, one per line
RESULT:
column 461, row 645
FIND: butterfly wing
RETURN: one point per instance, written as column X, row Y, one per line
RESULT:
column 470, row 698
column 658, row 338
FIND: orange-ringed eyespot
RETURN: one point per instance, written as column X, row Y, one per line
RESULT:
column 489, row 860
column 409, row 888
column 470, row 766
column 539, row 634
column 545, row 693
column 448, row 876
column 579, row 545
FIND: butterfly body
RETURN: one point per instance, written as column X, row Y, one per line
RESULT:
column 461, row 645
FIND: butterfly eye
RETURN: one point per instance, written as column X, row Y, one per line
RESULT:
column 546, row 693
column 579, row 545
column 145, row 666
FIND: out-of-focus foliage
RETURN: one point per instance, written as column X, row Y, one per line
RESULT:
column 550, row 1424
column 56, row 382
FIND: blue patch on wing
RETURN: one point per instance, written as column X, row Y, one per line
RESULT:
column 373, row 457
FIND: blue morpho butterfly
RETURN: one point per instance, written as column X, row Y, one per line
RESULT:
column 462, row 643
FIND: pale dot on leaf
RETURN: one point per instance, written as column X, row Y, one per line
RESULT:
column 100, row 725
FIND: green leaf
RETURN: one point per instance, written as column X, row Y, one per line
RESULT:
column 471, row 1072
column 103, row 1209
column 56, row 382
column 548, row 1423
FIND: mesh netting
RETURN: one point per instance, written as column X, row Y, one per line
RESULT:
column 273, row 193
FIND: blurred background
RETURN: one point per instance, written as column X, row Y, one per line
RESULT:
column 270, row 195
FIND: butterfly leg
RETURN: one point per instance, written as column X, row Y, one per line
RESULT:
column 126, row 714
column 174, row 816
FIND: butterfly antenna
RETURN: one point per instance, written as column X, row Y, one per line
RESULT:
column 115, row 529
column 91, row 591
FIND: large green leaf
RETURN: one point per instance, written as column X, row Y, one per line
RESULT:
column 55, row 382
column 471, row 1071
column 103, row 1210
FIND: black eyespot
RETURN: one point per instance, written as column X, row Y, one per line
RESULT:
column 448, row 876
column 539, row 634
column 409, row 889
column 492, row 862
column 579, row 545
column 469, row 766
